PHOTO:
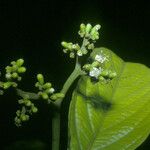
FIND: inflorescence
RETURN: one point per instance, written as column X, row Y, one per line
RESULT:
column 13, row 75
column 94, row 70
column 89, row 34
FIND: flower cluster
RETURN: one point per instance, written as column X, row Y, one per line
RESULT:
column 12, row 75
column 72, row 48
column 28, row 108
column 45, row 89
column 89, row 34
column 95, row 69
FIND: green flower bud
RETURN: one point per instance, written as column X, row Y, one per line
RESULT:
column 18, row 113
column 79, row 53
column 37, row 84
column 91, row 46
column 64, row 44
column 40, row 78
column 87, row 67
column 21, row 101
column 72, row 55
column 24, row 117
column 88, row 29
column 6, row 85
column 105, row 73
column 112, row 75
column 44, row 95
column 94, row 32
column 82, row 30
column 65, row 50
column 14, row 75
column 14, row 68
column 84, row 51
column 49, row 90
column 13, row 63
column 8, row 69
column 57, row 96
column 47, row 85
column 28, row 103
column 19, row 62
column 34, row 109
column 95, row 64
column 14, row 84
column 101, row 78
column 21, row 70
column 17, row 121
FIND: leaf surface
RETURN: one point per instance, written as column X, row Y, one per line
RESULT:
column 113, row 115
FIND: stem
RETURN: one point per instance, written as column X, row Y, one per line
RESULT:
column 27, row 94
column 74, row 75
column 56, row 118
column 56, row 131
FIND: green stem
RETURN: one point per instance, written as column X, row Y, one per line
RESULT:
column 56, row 118
column 56, row 131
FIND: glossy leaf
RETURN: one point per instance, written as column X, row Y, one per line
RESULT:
column 113, row 115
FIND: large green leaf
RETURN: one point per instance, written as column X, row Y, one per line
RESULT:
column 113, row 115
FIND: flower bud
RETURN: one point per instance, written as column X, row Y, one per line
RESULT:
column 47, row 85
column 44, row 95
column 24, row 117
column 34, row 109
column 40, row 78
column 105, row 73
column 14, row 75
column 6, row 85
column 82, row 28
column 21, row 70
column 72, row 55
column 88, row 29
column 64, row 44
column 101, row 78
column 57, row 96
column 19, row 62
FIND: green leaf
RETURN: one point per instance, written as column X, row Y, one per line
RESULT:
column 113, row 115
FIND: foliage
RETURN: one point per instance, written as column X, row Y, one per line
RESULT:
column 113, row 115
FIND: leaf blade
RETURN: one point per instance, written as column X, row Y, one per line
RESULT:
column 110, row 121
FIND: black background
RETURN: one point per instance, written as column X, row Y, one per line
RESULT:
column 33, row 30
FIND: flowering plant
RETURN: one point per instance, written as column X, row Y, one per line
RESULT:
column 103, row 109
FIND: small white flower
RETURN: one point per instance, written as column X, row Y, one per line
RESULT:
column 95, row 72
column 79, row 53
column 8, row 76
column 100, row 58
column 98, row 27
column 51, row 90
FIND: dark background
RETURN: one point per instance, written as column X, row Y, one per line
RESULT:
column 33, row 30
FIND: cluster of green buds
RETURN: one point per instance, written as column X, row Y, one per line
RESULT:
column 46, row 91
column 28, row 108
column 72, row 48
column 89, row 34
column 13, row 74
column 96, row 71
